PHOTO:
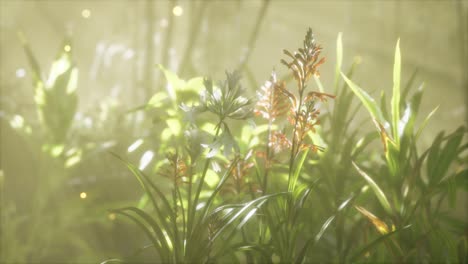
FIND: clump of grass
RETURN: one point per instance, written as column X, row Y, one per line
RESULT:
column 405, row 191
column 304, row 183
column 188, row 221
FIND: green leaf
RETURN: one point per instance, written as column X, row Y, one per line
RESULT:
column 319, row 83
column 383, row 105
column 449, row 153
column 392, row 156
column 156, row 100
column 297, row 170
column 374, row 243
column 408, row 85
column 243, row 210
column 417, row 98
column 36, row 70
column 301, row 256
column 366, row 100
column 176, row 85
column 143, row 227
column 396, row 94
column 339, row 60
column 433, row 157
column 363, row 142
column 158, row 231
column 378, row 192
column 424, row 123
column 219, row 186
column 148, row 186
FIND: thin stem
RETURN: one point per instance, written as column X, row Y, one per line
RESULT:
column 202, row 180
column 174, row 222
column 267, row 158
column 189, row 206
column 184, row 223
column 295, row 141
column 168, row 39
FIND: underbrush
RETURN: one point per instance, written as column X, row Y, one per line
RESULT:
column 302, row 171
column 272, row 179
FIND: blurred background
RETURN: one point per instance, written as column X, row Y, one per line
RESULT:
column 115, row 46
column 116, row 43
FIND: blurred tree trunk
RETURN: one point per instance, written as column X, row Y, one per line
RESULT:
column 149, row 58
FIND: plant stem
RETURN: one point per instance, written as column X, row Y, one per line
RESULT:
column 200, row 185
column 295, row 141
column 167, row 40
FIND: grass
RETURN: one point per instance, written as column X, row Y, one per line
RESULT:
column 305, row 190
column 295, row 174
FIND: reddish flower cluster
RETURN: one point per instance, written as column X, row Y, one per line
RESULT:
column 240, row 182
column 275, row 100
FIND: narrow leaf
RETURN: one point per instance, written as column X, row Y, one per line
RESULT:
column 424, row 123
column 396, row 94
column 378, row 192
column 380, row 225
column 366, row 100
column 296, row 170
column 339, row 60
column 374, row 243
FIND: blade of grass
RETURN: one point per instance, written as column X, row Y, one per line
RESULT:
column 146, row 230
column 218, row 187
column 366, row 100
column 396, row 94
column 245, row 208
column 296, row 170
column 301, row 256
column 424, row 123
column 378, row 192
column 147, row 185
column 163, row 243
column 374, row 243
column 339, row 60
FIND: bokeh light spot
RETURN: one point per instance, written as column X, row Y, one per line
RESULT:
column 163, row 23
column 177, row 10
column 86, row 13
column 20, row 73
column 83, row 195
column 112, row 216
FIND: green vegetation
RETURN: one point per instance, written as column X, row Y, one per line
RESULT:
column 289, row 176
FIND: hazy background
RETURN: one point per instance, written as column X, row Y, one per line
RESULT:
column 116, row 43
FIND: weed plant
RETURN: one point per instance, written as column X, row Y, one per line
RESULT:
column 274, row 181
column 43, row 189
column 48, row 143
column 289, row 176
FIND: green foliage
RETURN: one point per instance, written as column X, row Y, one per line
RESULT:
column 286, row 177
column 411, row 189
column 55, row 97
column 185, row 227
column 295, row 193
